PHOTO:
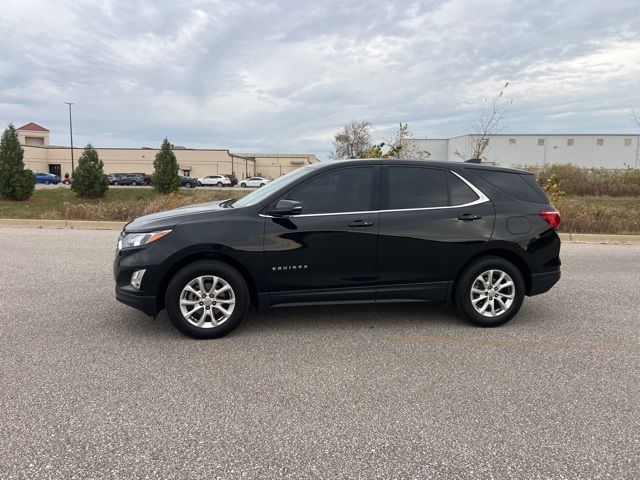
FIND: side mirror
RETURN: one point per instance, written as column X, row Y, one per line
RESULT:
column 286, row 207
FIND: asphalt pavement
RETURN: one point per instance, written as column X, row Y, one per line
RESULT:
column 91, row 388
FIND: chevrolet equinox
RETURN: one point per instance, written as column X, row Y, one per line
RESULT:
column 480, row 237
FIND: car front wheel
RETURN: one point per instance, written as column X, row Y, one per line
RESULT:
column 489, row 292
column 243, row 185
column 207, row 299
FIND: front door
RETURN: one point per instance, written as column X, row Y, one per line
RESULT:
column 429, row 223
column 328, row 251
column 55, row 169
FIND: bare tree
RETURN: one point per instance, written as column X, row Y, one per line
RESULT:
column 635, row 118
column 491, row 122
column 402, row 145
column 353, row 141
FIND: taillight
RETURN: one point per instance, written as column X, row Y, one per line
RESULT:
column 552, row 217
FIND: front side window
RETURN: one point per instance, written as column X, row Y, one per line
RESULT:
column 416, row 187
column 344, row 190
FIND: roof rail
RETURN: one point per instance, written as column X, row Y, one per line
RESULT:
column 473, row 160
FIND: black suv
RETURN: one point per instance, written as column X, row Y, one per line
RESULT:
column 351, row 231
column 126, row 179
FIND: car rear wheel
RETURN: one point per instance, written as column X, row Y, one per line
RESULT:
column 134, row 183
column 243, row 185
column 116, row 184
column 207, row 299
column 47, row 182
column 188, row 185
column 489, row 292
column 219, row 184
column 262, row 184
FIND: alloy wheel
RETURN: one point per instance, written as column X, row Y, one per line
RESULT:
column 207, row 301
column 492, row 293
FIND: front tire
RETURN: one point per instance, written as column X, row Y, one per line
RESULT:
column 219, row 184
column 207, row 299
column 243, row 185
column 489, row 292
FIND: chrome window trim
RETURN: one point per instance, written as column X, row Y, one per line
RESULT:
column 482, row 198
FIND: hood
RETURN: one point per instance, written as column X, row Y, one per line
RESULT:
column 171, row 218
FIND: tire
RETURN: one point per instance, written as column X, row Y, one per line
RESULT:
column 243, row 185
column 134, row 183
column 115, row 184
column 483, row 293
column 190, row 273
column 262, row 184
column 198, row 184
column 47, row 182
column 188, row 185
column 219, row 184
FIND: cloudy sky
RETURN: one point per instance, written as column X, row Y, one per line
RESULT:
column 284, row 76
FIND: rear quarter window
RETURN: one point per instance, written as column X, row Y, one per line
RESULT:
column 520, row 186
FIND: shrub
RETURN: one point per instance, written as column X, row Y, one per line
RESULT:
column 89, row 179
column 15, row 182
column 165, row 175
column 592, row 181
column 23, row 184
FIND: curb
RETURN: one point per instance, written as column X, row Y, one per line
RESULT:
column 608, row 239
column 71, row 224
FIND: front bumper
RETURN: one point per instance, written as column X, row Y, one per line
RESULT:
column 542, row 282
column 146, row 304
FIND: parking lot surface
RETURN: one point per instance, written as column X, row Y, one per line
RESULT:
column 94, row 389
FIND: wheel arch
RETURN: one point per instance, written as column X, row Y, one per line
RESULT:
column 504, row 253
column 199, row 256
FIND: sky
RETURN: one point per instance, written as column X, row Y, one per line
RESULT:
column 285, row 76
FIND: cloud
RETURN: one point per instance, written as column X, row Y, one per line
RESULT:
column 283, row 76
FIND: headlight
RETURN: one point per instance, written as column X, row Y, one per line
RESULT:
column 128, row 240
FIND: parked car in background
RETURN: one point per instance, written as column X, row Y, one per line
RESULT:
column 254, row 182
column 233, row 178
column 132, row 179
column 47, row 178
column 188, row 182
column 214, row 180
column 147, row 178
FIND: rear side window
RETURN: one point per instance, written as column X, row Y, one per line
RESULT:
column 416, row 187
column 344, row 190
column 459, row 191
column 520, row 186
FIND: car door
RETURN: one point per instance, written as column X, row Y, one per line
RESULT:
column 430, row 221
column 328, row 251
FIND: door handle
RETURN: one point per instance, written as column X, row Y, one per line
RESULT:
column 360, row 223
column 469, row 216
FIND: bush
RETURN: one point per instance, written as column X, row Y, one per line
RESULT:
column 89, row 179
column 15, row 182
column 22, row 184
column 165, row 175
column 592, row 181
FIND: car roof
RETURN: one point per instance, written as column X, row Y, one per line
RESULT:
column 450, row 165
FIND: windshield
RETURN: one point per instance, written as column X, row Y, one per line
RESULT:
column 269, row 188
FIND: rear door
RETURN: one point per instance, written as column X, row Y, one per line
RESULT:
column 328, row 252
column 430, row 219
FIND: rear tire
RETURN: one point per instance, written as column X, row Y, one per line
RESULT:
column 115, row 184
column 188, row 185
column 243, row 185
column 489, row 292
column 215, row 324
column 219, row 184
column 134, row 183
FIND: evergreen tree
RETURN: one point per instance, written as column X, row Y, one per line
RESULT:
column 165, row 175
column 88, row 178
column 15, row 181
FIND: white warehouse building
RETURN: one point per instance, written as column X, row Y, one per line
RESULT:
column 611, row 151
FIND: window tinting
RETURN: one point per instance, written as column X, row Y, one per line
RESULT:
column 522, row 187
column 416, row 187
column 459, row 191
column 344, row 190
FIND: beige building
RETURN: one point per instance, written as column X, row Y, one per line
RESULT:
column 40, row 156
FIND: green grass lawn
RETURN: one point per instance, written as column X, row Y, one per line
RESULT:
column 580, row 214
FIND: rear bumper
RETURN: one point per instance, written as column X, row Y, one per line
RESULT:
column 542, row 282
column 143, row 303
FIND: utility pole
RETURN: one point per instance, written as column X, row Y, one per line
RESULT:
column 71, row 132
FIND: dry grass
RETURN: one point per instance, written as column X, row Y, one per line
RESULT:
column 603, row 214
column 574, row 180
column 119, row 210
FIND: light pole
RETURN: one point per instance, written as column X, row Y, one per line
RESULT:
column 71, row 132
